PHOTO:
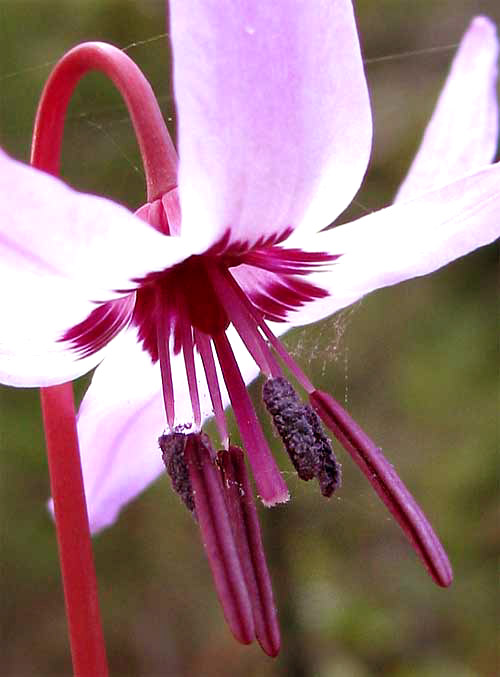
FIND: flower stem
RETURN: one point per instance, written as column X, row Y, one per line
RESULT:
column 73, row 534
column 160, row 165
column 157, row 150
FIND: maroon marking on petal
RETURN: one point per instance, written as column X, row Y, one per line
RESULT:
column 145, row 318
column 246, row 530
column 272, row 278
column 102, row 325
column 187, row 295
column 387, row 484
column 217, row 537
column 287, row 261
column 226, row 246
column 280, row 296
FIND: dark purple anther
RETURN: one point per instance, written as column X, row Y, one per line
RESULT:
column 217, row 536
column 300, row 429
column 246, row 530
column 387, row 484
column 172, row 448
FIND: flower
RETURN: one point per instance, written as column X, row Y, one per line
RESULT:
column 274, row 139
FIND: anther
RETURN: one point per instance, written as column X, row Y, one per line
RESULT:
column 172, row 447
column 387, row 484
column 217, row 536
column 300, row 429
column 248, row 540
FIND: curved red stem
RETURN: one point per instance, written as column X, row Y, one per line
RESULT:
column 157, row 150
column 160, row 165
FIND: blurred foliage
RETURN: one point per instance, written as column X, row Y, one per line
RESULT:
column 415, row 365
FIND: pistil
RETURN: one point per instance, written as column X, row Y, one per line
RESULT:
column 387, row 484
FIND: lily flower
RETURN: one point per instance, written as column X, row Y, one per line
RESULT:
column 274, row 136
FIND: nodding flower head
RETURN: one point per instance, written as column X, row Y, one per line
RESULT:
column 182, row 304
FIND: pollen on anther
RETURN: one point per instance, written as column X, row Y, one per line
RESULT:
column 300, row 429
column 172, row 448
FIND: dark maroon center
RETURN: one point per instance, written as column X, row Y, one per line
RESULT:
column 271, row 278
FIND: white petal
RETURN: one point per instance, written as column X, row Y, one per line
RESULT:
column 49, row 228
column 274, row 117
column 463, row 132
column 30, row 353
column 405, row 241
column 61, row 251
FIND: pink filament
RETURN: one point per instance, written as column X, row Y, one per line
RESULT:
column 270, row 483
column 163, row 338
column 277, row 345
column 244, row 324
column 187, row 349
column 203, row 345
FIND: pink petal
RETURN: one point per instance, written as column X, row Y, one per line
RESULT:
column 462, row 134
column 36, row 314
column 404, row 241
column 61, row 251
column 121, row 417
column 274, row 117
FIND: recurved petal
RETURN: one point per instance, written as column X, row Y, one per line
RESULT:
column 35, row 313
column 48, row 228
column 274, row 116
column 404, row 241
column 121, row 417
column 463, row 131
column 60, row 253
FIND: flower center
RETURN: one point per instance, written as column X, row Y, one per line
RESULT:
column 184, row 317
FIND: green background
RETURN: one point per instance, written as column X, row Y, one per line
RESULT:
column 416, row 365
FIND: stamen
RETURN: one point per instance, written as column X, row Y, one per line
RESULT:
column 244, row 324
column 270, row 484
column 172, row 448
column 217, row 537
column 246, row 530
column 277, row 345
column 187, row 349
column 298, row 426
column 387, row 484
column 163, row 339
column 203, row 345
